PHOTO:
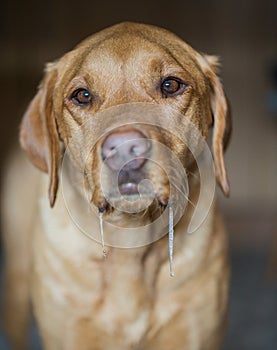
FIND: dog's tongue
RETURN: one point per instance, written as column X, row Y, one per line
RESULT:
column 128, row 182
column 128, row 188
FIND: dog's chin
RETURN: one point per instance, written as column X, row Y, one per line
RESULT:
column 131, row 198
column 134, row 200
column 132, row 203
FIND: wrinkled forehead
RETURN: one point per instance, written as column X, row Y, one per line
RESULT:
column 134, row 54
column 125, row 40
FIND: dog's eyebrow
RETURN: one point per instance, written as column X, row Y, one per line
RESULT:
column 172, row 52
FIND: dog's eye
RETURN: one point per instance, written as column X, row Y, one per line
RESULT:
column 81, row 97
column 172, row 87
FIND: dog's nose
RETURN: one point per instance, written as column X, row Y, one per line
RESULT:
column 125, row 150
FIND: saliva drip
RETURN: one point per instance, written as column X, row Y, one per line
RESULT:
column 102, row 233
column 170, row 239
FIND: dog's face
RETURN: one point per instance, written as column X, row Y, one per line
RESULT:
column 127, row 63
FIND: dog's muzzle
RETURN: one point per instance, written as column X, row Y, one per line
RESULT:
column 125, row 153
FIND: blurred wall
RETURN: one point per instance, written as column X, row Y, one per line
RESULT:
column 243, row 33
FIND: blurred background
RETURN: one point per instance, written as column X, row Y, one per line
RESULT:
column 244, row 34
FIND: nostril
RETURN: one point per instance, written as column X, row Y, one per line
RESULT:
column 139, row 148
column 135, row 151
column 110, row 152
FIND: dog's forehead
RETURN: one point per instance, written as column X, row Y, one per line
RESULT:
column 131, row 51
column 136, row 34
column 127, row 42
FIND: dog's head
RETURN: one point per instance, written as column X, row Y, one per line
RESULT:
column 127, row 63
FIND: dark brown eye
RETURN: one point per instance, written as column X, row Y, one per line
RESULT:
column 172, row 87
column 82, row 97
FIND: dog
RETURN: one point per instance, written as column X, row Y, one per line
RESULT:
column 125, row 299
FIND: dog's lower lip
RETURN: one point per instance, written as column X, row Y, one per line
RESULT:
column 128, row 188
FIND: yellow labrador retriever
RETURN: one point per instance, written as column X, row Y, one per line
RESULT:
column 125, row 299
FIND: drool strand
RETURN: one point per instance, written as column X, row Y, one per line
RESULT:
column 102, row 233
column 170, row 239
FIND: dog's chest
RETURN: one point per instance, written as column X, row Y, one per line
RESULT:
column 123, row 310
column 109, row 306
column 89, row 296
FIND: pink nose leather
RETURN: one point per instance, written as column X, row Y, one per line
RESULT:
column 125, row 149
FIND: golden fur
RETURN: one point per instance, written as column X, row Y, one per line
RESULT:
column 127, row 301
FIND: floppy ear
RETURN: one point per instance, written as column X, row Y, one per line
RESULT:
column 38, row 131
column 222, row 119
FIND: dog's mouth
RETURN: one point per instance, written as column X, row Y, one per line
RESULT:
column 130, row 191
column 134, row 183
column 128, row 182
